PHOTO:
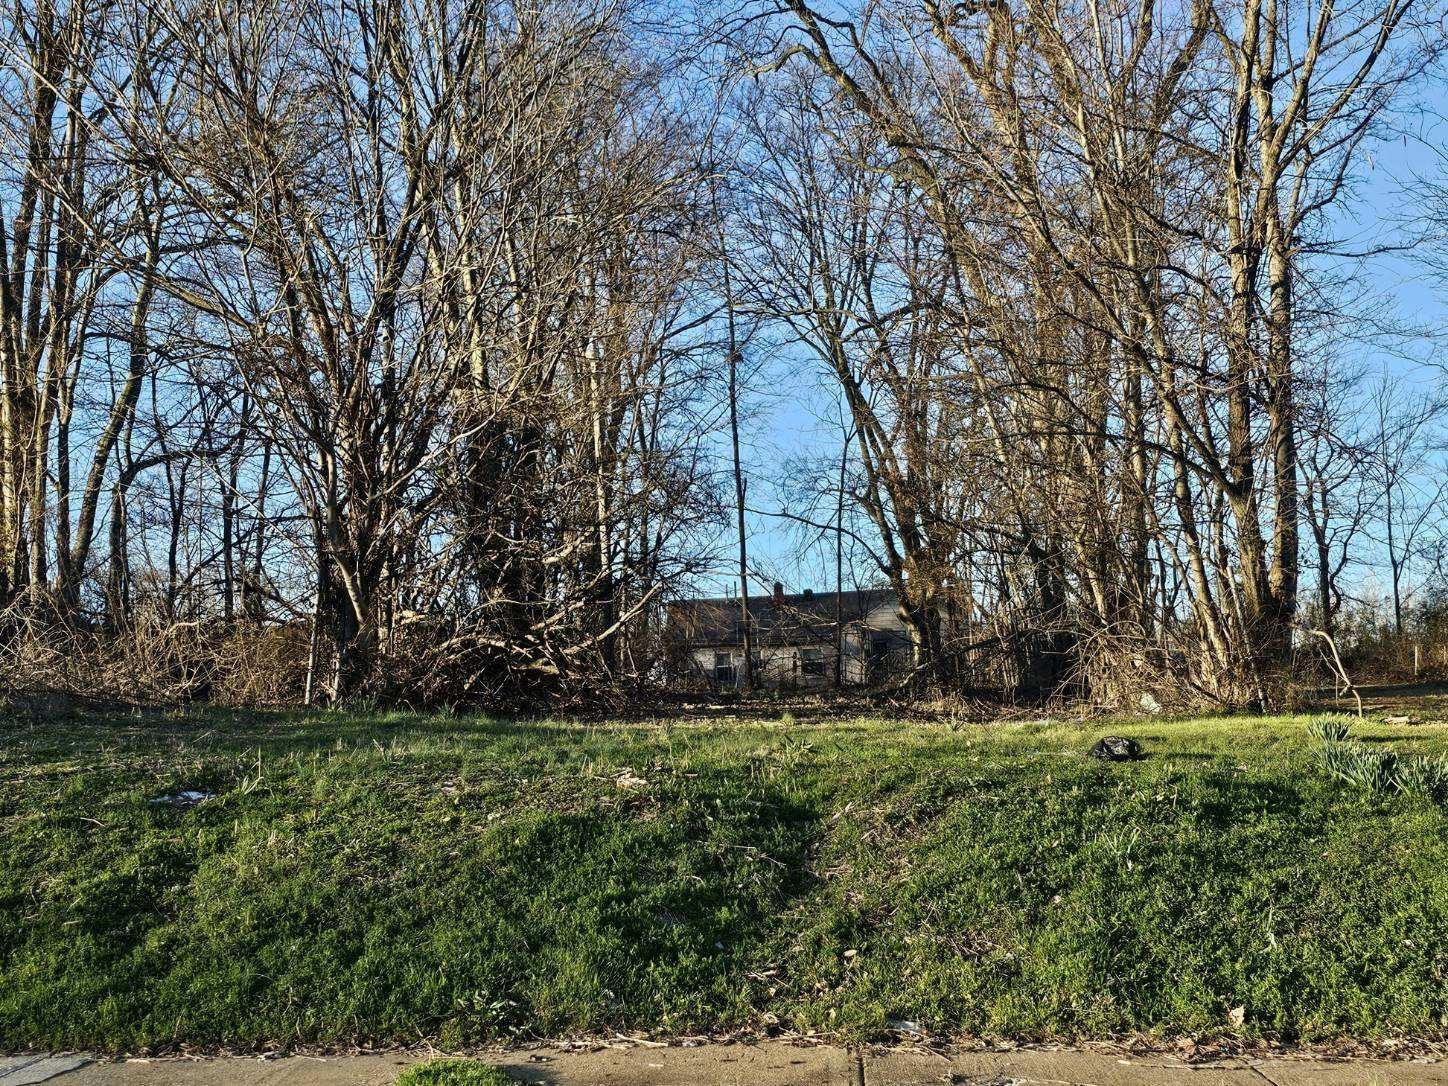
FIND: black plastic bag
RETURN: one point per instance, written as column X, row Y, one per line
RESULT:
column 1117, row 748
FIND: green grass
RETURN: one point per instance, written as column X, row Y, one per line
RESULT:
column 453, row 1073
column 393, row 878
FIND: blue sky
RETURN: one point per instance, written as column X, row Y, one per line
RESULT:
column 792, row 403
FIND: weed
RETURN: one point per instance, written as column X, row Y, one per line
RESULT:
column 445, row 1072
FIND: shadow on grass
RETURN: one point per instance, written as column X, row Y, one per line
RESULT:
column 1235, row 802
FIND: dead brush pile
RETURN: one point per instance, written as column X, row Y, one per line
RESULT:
column 153, row 663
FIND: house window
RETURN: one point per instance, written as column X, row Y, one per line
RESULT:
column 812, row 661
column 724, row 668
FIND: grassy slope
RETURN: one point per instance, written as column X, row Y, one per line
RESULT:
column 401, row 877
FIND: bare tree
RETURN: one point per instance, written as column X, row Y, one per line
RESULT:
column 1151, row 179
column 1405, row 431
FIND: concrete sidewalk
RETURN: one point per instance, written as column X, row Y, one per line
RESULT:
column 766, row 1064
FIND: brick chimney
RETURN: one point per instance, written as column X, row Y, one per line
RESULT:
column 778, row 594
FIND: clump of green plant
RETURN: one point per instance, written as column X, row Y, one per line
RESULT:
column 1354, row 764
column 1382, row 771
column 1329, row 729
column 1420, row 775
column 453, row 1073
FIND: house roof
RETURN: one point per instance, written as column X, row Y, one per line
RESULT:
column 800, row 618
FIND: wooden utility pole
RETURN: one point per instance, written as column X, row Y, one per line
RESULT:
column 840, row 563
column 741, row 485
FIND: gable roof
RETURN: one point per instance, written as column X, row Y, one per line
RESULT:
column 800, row 618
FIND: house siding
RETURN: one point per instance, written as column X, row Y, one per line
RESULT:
column 874, row 644
column 784, row 665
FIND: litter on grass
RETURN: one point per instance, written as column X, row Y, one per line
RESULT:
column 1116, row 748
column 182, row 801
